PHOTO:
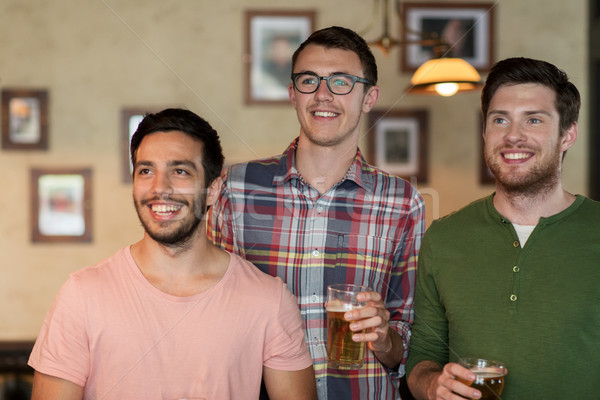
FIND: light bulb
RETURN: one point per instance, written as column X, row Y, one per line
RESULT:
column 446, row 89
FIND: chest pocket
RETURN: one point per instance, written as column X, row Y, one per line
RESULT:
column 364, row 260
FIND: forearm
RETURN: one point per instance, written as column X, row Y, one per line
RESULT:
column 393, row 357
column 422, row 378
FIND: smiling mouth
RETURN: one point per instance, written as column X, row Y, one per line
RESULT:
column 164, row 209
column 517, row 156
column 327, row 114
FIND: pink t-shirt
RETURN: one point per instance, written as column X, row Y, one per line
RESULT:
column 113, row 332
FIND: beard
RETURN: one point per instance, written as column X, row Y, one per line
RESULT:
column 185, row 228
column 541, row 178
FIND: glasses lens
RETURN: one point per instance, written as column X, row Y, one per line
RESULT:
column 341, row 84
column 306, row 83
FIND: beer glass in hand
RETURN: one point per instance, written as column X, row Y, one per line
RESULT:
column 489, row 379
column 342, row 351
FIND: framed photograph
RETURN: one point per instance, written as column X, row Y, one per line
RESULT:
column 397, row 143
column 24, row 119
column 61, row 205
column 468, row 28
column 271, row 39
column 130, row 119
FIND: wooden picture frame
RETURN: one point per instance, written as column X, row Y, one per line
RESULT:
column 467, row 27
column 271, row 39
column 61, row 205
column 24, row 119
column 397, row 142
column 130, row 119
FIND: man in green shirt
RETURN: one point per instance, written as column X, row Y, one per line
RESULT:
column 515, row 276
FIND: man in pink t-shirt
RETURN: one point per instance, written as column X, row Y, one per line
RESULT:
column 172, row 316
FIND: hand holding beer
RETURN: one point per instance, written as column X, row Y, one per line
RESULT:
column 342, row 350
column 489, row 377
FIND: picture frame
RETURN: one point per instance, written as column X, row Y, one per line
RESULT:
column 24, row 119
column 271, row 39
column 397, row 142
column 61, row 205
column 467, row 27
column 130, row 119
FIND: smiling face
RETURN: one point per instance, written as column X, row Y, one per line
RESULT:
column 169, row 192
column 327, row 119
column 523, row 147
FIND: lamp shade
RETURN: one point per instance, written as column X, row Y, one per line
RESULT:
column 445, row 76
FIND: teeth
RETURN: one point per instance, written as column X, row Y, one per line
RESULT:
column 324, row 114
column 164, row 209
column 517, row 156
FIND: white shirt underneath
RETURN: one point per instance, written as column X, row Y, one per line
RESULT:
column 523, row 232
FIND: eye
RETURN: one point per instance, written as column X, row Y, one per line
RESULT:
column 180, row 171
column 340, row 81
column 535, row 120
column 143, row 171
column 498, row 120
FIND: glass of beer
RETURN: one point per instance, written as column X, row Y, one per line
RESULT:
column 489, row 377
column 342, row 351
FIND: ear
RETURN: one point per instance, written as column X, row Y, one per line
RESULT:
column 292, row 94
column 213, row 191
column 568, row 138
column 370, row 99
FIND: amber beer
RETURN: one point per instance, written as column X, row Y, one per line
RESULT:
column 342, row 351
column 489, row 377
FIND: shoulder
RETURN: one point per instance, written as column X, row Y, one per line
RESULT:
column 260, row 171
column 468, row 216
column 250, row 275
column 110, row 269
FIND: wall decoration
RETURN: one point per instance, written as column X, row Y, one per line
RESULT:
column 24, row 119
column 130, row 119
column 467, row 27
column 61, row 205
column 397, row 142
column 271, row 39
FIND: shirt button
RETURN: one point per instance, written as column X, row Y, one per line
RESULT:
column 516, row 269
column 516, row 243
column 315, row 341
column 513, row 297
column 319, row 209
column 316, row 253
column 314, row 298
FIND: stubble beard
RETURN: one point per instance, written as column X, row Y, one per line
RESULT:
column 542, row 178
column 181, row 236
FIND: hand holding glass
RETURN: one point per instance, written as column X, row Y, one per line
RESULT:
column 489, row 377
column 342, row 351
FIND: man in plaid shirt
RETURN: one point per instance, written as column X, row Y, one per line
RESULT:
column 319, row 214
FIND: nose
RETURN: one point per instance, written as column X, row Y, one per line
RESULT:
column 323, row 93
column 515, row 134
column 161, row 184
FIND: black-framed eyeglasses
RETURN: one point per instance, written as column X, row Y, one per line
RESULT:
column 309, row 82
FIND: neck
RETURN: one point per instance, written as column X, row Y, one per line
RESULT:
column 527, row 209
column 181, row 271
column 322, row 167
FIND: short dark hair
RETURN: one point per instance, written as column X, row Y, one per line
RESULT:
column 177, row 119
column 337, row 37
column 517, row 70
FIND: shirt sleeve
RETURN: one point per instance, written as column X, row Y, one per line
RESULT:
column 430, row 330
column 220, row 220
column 62, row 348
column 402, row 283
column 285, row 347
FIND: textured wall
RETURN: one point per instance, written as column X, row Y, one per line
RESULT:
column 96, row 57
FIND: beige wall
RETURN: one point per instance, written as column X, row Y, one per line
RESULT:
column 96, row 57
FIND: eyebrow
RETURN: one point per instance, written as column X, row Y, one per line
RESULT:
column 170, row 163
column 331, row 74
column 532, row 112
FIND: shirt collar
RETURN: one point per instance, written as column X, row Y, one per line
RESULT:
column 358, row 172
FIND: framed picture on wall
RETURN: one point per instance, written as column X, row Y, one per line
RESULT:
column 468, row 28
column 24, row 119
column 271, row 39
column 397, row 142
column 61, row 205
column 130, row 119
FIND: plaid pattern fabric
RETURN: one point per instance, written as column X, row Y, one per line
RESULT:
column 365, row 230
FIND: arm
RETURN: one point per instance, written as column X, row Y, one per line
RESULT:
column 46, row 387
column 290, row 385
column 428, row 381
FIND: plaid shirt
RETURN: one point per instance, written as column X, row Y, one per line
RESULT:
column 365, row 230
